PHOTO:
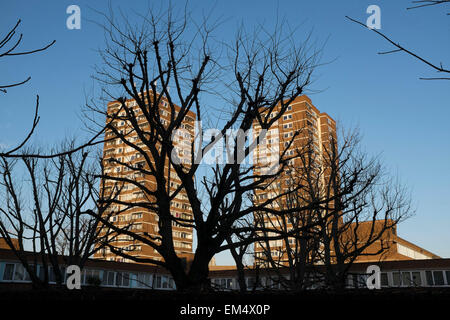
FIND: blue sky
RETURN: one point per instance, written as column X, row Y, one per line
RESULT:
column 401, row 117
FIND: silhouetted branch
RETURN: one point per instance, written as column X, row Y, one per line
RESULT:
column 438, row 68
column 11, row 52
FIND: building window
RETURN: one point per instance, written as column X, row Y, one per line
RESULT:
column 9, row 271
column 384, row 279
column 137, row 215
column 122, row 279
column 406, row 278
column 158, row 282
column 110, row 278
column 118, row 279
column 435, row 278
column 396, row 278
column 125, row 280
column 51, row 275
column 19, row 273
column 416, row 279
column 429, row 277
column 28, row 277
column 144, row 280
column 251, row 283
column 167, row 283
column 438, row 278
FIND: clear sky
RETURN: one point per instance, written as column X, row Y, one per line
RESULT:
column 404, row 119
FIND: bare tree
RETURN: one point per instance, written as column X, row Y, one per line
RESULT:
column 365, row 205
column 346, row 210
column 293, row 256
column 47, row 211
column 260, row 72
column 243, row 251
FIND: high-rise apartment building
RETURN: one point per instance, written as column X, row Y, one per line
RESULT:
column 122, row 160
column 315, row 131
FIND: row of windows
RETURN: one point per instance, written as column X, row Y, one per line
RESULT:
column 406, row 279
column 182, row 235
column 15, row 272
column 183, row 245
column 388, row 279
column 251, row 283
column 126, row 217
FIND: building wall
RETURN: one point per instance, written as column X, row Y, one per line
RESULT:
column 142, row 219
column 4, row 245
column 315, row 130
column 316, row 135
column 399, row 273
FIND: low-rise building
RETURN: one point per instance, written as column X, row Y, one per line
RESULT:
column 398, row 273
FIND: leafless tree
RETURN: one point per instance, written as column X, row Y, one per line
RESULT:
column 242, row 252
column 365, row 205
column 292, row 257
column 255, row 74
column 347, row 210
column 47, row 211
